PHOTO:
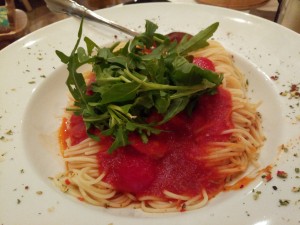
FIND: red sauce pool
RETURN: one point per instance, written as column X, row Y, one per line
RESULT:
column 171, row 160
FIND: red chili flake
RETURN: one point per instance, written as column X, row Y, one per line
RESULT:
column 241, row 186
column 274, row 77
column 294, row 87
column 80, row 199
column 147, row 51
column 282, row 174
column 67, row 182
column 268, row 177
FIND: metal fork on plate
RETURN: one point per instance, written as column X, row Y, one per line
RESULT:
column 72, row 8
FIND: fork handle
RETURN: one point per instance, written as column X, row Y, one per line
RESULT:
column 71, row 7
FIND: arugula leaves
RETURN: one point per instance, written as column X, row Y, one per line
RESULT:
column 149, row 74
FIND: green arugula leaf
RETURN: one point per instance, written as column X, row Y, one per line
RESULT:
column 187, row 73
column 90, row 45
column 120, row 92
column 177, row 106
column 64, row 58
column 121, row 139
column 162, row 102
column 82, row 56
column 150, row 28
column 149, row 74
column 197, row 41
column 144, row 101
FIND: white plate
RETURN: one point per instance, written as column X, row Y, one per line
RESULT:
column 33, row 94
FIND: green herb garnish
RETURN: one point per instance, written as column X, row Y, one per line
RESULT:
column 149, row 74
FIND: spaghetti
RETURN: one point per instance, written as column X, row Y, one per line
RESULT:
column 218, row 152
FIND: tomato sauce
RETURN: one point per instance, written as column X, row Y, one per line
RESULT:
column 63, row 134
column 171, row 160
column 77, row 130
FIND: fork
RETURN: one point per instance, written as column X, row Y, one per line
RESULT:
column 72, row 8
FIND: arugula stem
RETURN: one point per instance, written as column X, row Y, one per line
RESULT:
column 183, row 94
column 109, row 79
column 156, row 86
column 119, row 109
column 158, row 39
column 121, row 116
column 125, row 79
column 72, row 109
column 193, row 90
column 120, row 78
column 114, row 118
column 103, row 116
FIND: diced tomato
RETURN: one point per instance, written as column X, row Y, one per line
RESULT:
column 204, row 63
column 268, row 177
column 155, row 147
column 147, row 51
column 282, row 174
column 177, row 36
column 77, row 130
column 67, row 182
column 89, row 91
column 77, row 133
column 178, row 122
column 80, row 199
column 91, row 80
column 105, row 141
column 154, row 118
